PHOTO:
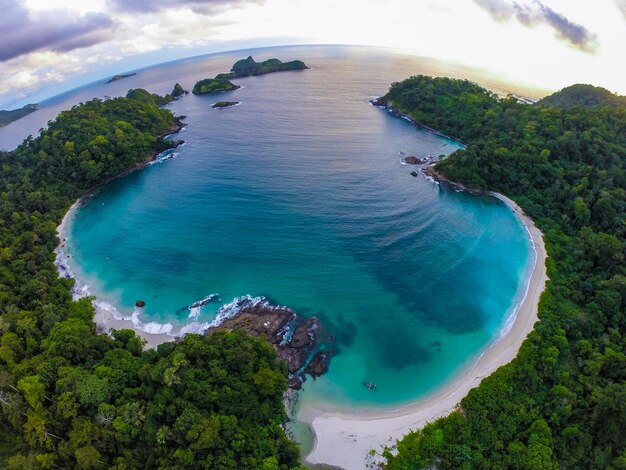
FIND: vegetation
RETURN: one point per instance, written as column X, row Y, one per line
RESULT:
column 244, row 68
column 7, row 117
column 562, row 402
column 248, row 67
column 583, row 95
column 213, row 85
column 139, row 94
column 73, row 398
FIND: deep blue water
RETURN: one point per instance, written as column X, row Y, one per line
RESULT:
column 298, row 194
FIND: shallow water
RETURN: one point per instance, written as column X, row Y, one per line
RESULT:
column 299, row 195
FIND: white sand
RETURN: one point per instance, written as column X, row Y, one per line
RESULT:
column 344, row 439
column 103, row 318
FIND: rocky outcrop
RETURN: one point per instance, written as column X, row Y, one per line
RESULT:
column 140, row 304
column 318, row 365
column 381, row 102
column 294, row 338
column 430, row 171
column 178, row 91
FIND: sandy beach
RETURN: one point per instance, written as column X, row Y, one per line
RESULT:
column 104, row 318
column 345, row 439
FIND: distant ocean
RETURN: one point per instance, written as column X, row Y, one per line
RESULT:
column 299, row 195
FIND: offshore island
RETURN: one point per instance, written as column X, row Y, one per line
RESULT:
column 244, row 68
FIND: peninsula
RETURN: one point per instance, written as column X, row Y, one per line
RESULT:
column 7, row 117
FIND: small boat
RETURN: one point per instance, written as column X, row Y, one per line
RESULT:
column 370, row 386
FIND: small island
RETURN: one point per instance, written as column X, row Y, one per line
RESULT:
column 115, row 78
column 243, row 68
column 178, row 91
column 213, row 85
column 224, row 104
column 7, row 117
column 249, row 67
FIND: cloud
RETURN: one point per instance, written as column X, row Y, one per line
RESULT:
column 24, row 32
column 531, row 14
column 198, row 6
column 621, row 5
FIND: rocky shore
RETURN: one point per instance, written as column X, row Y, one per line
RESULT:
column 298, row 341
column 384, row 103
column 434, row 174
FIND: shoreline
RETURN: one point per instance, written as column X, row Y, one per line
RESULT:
column 104, row 318
column 382, row 103
column 344, row 439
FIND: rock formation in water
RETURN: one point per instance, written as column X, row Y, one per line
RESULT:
column 178, row 91
column 294, row 338
column 224, row 104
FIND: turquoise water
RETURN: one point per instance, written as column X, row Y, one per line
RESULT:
column 298, row 194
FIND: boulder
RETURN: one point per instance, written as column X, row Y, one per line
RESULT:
column 318, row 364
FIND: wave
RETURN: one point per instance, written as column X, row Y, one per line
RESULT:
column 195, row 309
column 160, row 158
column 227, row 310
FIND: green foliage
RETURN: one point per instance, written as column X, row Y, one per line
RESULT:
column 561, row 402
column 247, row 67
column 73, row 398
column 144, row 96
column 583, row 95
column 213, row 85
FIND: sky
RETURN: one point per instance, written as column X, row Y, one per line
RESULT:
column 50, row 46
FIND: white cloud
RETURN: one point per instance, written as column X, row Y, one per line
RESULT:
column 458, row 31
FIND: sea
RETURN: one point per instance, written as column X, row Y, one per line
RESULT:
column 299, row 194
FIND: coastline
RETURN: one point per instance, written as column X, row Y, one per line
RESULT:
column 104, row 318
column 382, row 103
column 344, row 439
